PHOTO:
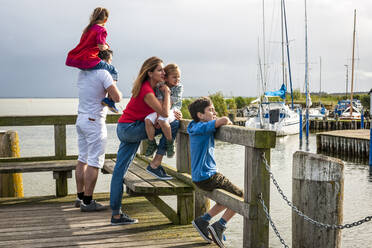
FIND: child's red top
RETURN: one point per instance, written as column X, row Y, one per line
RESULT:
column 85, row 54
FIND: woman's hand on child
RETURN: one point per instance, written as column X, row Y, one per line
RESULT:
column 177, row 114
column 164, row 88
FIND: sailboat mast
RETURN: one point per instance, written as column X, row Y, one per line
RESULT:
column 264, row 47
column 282, row 30
column 288, row 58
column 352, row 69
column 260, row 69
column 307, row 79
column 347, row 79
column 306, row 63
column 320, row 77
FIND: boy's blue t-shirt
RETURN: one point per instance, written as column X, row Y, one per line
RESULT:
column 201, row 135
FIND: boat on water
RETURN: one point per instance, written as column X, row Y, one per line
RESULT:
column 318, row 113
column 275, row 116
column 354, row 115
column 342, row 105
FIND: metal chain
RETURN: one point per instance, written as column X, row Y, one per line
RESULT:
column 307, row 218
column 271, row 221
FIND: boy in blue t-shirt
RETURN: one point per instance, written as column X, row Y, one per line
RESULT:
column 203, row 167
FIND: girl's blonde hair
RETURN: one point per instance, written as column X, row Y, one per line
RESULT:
column 99, row 15
column 172, row 69
column 148, row 66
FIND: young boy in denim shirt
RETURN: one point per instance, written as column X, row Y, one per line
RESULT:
column 203, row 167
column 106, row 55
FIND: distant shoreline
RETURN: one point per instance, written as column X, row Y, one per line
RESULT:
column 61, row 97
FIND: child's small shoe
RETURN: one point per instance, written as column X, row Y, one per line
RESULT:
column 216, row 231
column 110, row 104
column 170, row 149
column 151, row 148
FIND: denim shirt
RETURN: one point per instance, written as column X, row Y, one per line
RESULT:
column 175, row 96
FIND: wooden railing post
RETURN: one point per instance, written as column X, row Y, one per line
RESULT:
column 60, row 152
column 317, row 191
column 185, row 203
column 61, row 182
column 11, row 184
column 183, row 162
column 256, row 181
column 60, row 140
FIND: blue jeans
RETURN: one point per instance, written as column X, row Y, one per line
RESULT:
column 106, row 66
column 130, row 136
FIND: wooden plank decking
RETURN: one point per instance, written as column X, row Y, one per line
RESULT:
column 54, row 222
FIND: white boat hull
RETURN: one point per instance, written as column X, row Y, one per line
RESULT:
column 287, row 124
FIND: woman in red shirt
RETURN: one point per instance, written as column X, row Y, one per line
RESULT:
column 131, row 130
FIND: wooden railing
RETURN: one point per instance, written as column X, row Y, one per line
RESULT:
column 256, row 178
column 61, row 164
column 59, row 122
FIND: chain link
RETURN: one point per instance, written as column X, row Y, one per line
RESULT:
column 271, row 221
column 307, row 218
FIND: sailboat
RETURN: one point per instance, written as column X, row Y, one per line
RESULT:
column 273, row 114
column 352, row 112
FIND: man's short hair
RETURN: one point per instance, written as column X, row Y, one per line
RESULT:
column 105, row 54
column 198, row 106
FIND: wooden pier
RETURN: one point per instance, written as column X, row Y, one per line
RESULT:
column 322, row 125
column 239, row 121
column 330, row 125
column 54, row 222
column 191, row 201
column 349, row 145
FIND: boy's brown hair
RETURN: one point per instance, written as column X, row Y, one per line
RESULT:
column 198, row 106
column 105, row 54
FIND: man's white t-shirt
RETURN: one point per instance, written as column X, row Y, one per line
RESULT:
column 92, row 87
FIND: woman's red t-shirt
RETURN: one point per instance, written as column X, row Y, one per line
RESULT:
column 85, row 54
column 137, row 109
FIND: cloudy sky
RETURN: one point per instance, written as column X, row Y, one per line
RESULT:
column 215, row 43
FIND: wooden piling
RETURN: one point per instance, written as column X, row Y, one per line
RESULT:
column 318, row 188
column 11, row 184
column 257, row 180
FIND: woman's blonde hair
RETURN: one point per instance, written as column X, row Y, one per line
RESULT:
column 99, row 15
column 148, row 66
column 172, row 69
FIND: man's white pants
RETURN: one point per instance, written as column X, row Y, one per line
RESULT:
column 92, row 139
